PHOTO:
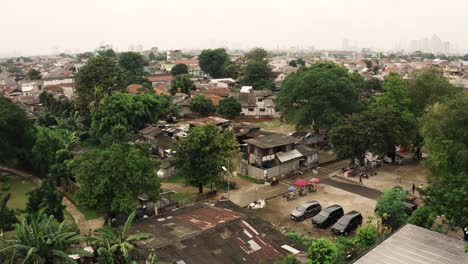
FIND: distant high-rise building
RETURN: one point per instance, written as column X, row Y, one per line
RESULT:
column 172, row 55
column 345, row 44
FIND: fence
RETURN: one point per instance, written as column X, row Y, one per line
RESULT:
column 186, row 202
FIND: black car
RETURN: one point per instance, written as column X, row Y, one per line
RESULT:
column 328, row 216
column 306, row 210
column 410, row 208
column 347, row 223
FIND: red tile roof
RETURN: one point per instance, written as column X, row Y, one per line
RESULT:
column 163, row 77
column 214, row 98
column 134, row 88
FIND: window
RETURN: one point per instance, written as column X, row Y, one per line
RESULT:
column 260, row 99
column 262, row 109
column 251, row 109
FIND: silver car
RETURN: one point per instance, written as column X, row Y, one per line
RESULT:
column 306, row 210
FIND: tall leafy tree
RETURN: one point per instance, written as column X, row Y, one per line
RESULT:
column 48, row 142
column 322, row 251
column 293, row 63
column 34, row 74
column 6, row 214
column 257, row 54
column 391, row 209
column 367, row 131
column 183, row 82
column 133, row 63
column 373, row 84
column 443, row 128
column 423, row 217
column 300, row 62
column 229, row 107
column 317, row 96
column 151, row 56
column 126, row 113
column 45, row 200
column 202, row 105
column 42, row 240
column 212, row 61
column 259, row 74
column 111, row 179
column 366, row 237
column 179, row 69
column 99, row 76
column 120, row 246
column 16, row 134
column 202, row 154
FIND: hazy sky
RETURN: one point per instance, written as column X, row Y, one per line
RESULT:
column 33, row 27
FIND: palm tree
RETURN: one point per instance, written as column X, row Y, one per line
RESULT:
column 119, row 244
column 42, row 241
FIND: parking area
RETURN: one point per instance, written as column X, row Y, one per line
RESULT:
column 277, row 209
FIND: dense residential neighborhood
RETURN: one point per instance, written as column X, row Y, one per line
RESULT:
column 234, row 153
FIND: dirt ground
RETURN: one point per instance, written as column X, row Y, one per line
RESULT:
column 277, row 209
column 389, row 175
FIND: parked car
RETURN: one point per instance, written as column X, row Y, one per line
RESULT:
column 347, row 223
column 410, row 208
column 328, row 216
column 306, row 210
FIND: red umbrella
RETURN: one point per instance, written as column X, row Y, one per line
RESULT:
column 314, row 180
column 300, row 182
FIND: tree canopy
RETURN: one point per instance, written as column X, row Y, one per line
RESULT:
column 229, row 107
column 202, row 154
column 184, row 83
column 318, row 95
column 212, row 61
column 443, row 128
column 133, row 63
column 126, row 113
column 257, row 54
column 259, row 74
column 202, row 105
column 368, row 131
column 111, row 179
column 179, row 69
column 99, row 76
column 34, row 74
column 16, row 134
column 322, row 251
column 391, row 209
column 45, row 200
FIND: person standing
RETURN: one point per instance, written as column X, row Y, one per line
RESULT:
column 414, row 187
column 360, row 178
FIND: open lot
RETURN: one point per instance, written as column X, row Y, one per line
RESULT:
column 277, row 209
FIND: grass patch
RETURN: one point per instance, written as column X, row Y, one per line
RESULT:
column 174, row 179
column 250, row 179
column 181, row 196
column 88, row 213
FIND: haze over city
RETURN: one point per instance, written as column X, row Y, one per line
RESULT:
column 51, row 26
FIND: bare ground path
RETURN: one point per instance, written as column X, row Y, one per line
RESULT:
column 86, row 227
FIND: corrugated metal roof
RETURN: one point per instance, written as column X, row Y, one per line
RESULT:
column 289, row 155
column 271, row 141
column 417, row 245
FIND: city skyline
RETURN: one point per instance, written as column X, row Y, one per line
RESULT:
column 49, row 26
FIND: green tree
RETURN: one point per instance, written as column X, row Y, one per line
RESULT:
column 212, row 61
column 366, row 237
column 179, row 69
column 443, row 129
column 257, row 54
column 99, row 76
column 391, row 209
column 16, row 134
column 111, row 179
column 133, row 63
column 229, row 107
column 201, row 155
column 258, row 74
column 151, row 56
column 374, row 84
column 45, row 200
column 184, row 83
column 202, row 105
column 119, row 245
column 322, row 251
column 300, row 62
column 48, row 142
column 6, row 214
column 293, row 63
column 14, row 69
column 126, row 113
column 318, row 96
column 42, row 240
column 107, row 53
column 368, row 63
column 34, row 74
column 423, row 217
column 346, row 250
column 233, row 70
column 367, row 131
column 290, row 259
